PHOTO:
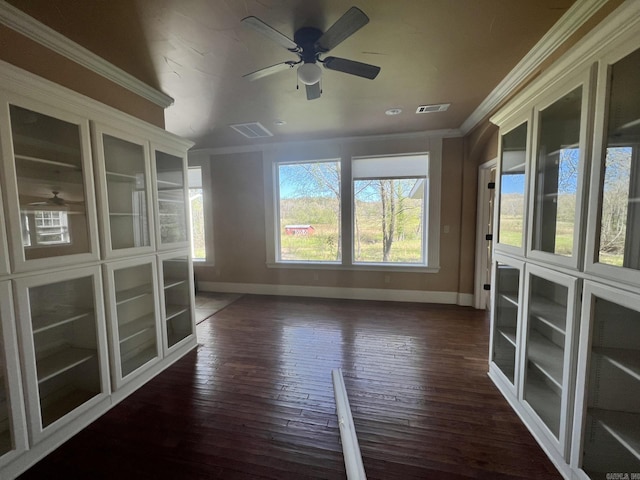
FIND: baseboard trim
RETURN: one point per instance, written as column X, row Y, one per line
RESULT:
column 389, row 295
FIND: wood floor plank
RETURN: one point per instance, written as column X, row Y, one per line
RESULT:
column 255, row 401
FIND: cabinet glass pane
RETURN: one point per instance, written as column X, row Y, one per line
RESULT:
column 136, row 311
column 177, row 299
column 127, row 193
column 172, row 207
column 65, row 339
column 6, row 437
column 557, row 175
column 512, row 186
column 51, row 190
column 506, row 319
column 545, row 350
column 612, row 424
column 620, row 207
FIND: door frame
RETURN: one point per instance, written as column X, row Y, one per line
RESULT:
column 482, row 219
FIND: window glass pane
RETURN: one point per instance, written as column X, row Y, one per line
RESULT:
column 196, row 209
column 557, row 175
column 620, row 208
column 48, row 160
column 389, row 220
column 309, row 211
column 512, row 186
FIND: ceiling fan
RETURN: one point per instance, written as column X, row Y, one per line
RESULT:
column 55, row 203
column 309, row 44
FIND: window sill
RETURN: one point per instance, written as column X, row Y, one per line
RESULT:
column 372, row 267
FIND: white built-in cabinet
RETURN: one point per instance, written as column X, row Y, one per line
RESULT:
column 90, row 308
column 565, row 331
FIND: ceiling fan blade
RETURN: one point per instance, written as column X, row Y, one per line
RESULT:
column 352, row 21
column 263, row 72
column 267, row 30
column 352, row 67
column 313, row 91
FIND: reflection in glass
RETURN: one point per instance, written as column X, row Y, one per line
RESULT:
column 619, row 242
column 557, row 175
column 48, row 159
column 127, row 193
column 512, row 186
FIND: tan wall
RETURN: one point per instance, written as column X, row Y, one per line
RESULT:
column 35, row 58
column 239, row 232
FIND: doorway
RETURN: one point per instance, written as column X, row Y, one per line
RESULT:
column 484, row 234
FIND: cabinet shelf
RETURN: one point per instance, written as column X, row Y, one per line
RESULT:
column 175, row 310
column 122, row 177
column 136, row 327
column 551, row 313
column 511, row 298
column 63, row 405
column 58, row 317
column 509, row 333
column 45, row 161
column 622, row 426
column 138, row 360
column 130, row 294
column 124, row 215
column 626, row 360
column 170, row 283
column 61, row 361
column 547, row 356
column 545, row 401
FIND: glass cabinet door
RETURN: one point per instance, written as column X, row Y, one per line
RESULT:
column 513, row 179
column 611, row 411
column 506, row 317
column 123, row 168
column 558, row 178
column 547, row 352
column 64, row 344
column 133, row 315
column 617, row 231
column 177, row 292
column 12, row 437
column 49, row 186
column 172, row 203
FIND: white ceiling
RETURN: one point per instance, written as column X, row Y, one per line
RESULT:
column 196, row 51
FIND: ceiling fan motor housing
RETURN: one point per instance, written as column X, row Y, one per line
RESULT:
column 306, row 38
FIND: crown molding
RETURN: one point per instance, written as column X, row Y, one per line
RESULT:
column 566, row 26
column 22, row 23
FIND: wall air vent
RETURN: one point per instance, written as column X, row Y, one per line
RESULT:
column 252, row 130
column 442, row 107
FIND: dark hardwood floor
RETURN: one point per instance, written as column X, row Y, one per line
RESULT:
column 255, row 401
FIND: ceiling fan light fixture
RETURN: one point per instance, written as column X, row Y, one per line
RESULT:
column 309, row 73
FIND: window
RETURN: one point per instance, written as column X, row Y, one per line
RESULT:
column 388, row 209
column 309, row 211
column 196, row 211
column 51, row 227
column 341, row 205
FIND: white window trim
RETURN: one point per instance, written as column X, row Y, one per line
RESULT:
column 345, row 151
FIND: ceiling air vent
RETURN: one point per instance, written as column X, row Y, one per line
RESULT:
column 442, row 107
column 252, row 130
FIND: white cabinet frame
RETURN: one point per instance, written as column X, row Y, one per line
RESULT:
column 37, row 432
column 562, row 442
column 19, row 262
column 494, row 369
column 619, row 274
column 11, row 372
column 157, row 146
column 584, row 80
column 189, row 338
column 108, row 252
column 109, row 270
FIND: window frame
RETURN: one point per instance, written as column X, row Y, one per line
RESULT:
column 346, row 150
column 203, row 163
